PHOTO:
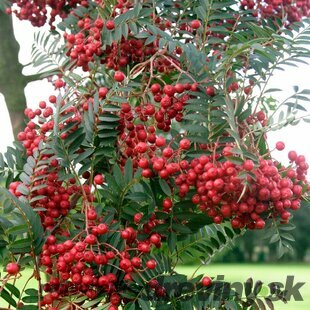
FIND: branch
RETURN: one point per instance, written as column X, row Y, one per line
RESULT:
column 32, row 78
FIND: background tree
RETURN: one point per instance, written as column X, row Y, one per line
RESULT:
column 12, row 80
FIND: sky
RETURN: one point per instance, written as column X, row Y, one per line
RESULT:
column 295, row 137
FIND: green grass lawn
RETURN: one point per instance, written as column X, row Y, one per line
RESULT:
column 241, row 272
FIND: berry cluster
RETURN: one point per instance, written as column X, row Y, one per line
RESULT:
column 246, row 193
column 35, row 132
column 75, row 265
column 37, row 11
column 138, row 139
column 295, row 10
column 85, row 44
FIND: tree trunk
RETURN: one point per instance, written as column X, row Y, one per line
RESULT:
column 12, row 81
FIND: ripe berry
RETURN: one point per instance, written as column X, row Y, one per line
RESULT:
column 260, row 224
column 179, row 88
column 248, row 165
column 119, row 76
column 155, row 88
column 12, row 268
column 153, row 283
column 151, row 264
column 91, row 214
column 292, row 155
column 167, row 152
column 125, row 264
column 102, row 92
column 137, row 217
column 99, row 23
column 247, row 90
column 167, row 203
column 206, row 281
column 59, row 83
column 280, row 146
column 102, row 228
column 195, row 24
column 160, row 141
column 210, row 91
column 110, row 24
column 136, row 262
column 99, row 179
column 185, row 144
column 169, row 90
column 155, row 239
column 141, row 147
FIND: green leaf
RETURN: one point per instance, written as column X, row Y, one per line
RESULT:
column 287, row 237
column 86, row 154
column 165, row 187
column 30, row 299
column 13, row 289
column 31, row 219
column 145, row 305
column 130, row 306
column 274, row 238
column 117, row 173
column 31, row 292
column 23, row 189
column 128, row 171
column 138, row 196
column 30, row 307
column 90, row 304
column 17, row 230
column 172, row 241
column 201, row 13
column 7, row 297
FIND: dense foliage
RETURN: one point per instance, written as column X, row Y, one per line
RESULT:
column 154, row 148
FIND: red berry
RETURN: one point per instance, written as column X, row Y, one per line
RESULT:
column 247, row 90
column 99, row 23
column 167, row 203
column 169, row 90
column 151, row 264
column 110, row 24
column 12, row 268
column 141, row 147
column 155, row 88
column 99, row 179
column 260, row 224
column 91, row 214
column 195, row 24
column 280, row 146
column 137, row 217
column 292, row 155
column 167, row 152
column 59, row 83
column 210, row 91
column 136, row 262
column 119, row 76
column 179, row 88
column 160, row 141
column 102, row 228
column 185, row 144
column 248, row 165
column 206, row 281
column 125, row 264
column 103, row 92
